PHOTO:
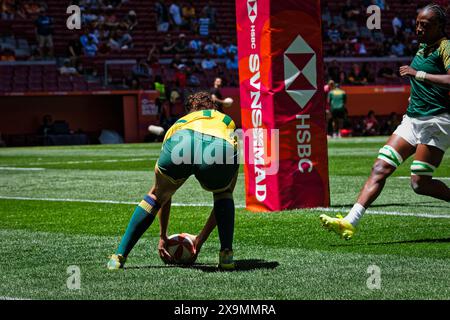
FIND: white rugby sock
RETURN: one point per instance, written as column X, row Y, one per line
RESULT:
column 355, row 214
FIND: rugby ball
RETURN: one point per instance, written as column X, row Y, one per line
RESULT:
column 181, row 248
column 228, row 102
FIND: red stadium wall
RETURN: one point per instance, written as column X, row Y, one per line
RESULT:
column 381, row 99
column 22, row 114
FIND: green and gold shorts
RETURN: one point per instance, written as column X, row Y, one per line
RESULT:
column 212, row 160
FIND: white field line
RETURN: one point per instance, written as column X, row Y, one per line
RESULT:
column 12, row 298
column 375, row 212
column 21, row 169
column 94, row 161
column 438, row 178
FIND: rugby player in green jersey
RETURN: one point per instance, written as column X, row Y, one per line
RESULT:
column 425, row 129
column 202, row 144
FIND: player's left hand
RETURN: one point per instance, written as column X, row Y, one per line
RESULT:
column 407, row 71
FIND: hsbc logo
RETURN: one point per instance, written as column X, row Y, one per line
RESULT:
column 300, row 72
column 252, row 9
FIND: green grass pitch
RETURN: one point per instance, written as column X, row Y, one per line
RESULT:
column 84, row 197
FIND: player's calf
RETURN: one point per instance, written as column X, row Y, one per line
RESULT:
column 422, row 181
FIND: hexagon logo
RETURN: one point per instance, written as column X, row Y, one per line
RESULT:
column 300, row 74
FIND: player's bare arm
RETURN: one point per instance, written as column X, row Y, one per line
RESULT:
column 442, row 80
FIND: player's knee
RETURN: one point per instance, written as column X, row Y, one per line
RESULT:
column 381, row 170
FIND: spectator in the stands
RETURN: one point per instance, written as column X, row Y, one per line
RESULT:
column 326, row 17
column 31, row 8
column 153, row 59
column 208, row 63
column 397, row 24
column 357, row 76
column 368, row 72
column 360, row 47
column 111, row 4
column 176, row 62
column 232, row 62
column 391, row 124
column 168, row 44
column 181, row 77
column 386, row 72
column 333, row 33
column 398, row 48
column 342, row 78
column 88, row 33
column 177, row 106
column 44, row 32
column 121, row 40
column 210, row 47
column 371, row 126
column 231, row 47
column 47, row 126
column 334, row 70
column 380, row 3
column 111, row 20
column 141, row 70
column 181, row 46
column 67, row 69
column 196, row 45
column 7, row 9
column 130, row 20
column 89, row 17
column 210, row 12
column 90, row 48
column 189, row 15
column 203, row 25
column 221, row 50
column 175, row 15
column 162, row 16
column 349, row 11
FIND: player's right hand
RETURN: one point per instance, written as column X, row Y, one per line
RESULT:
column 162, row 250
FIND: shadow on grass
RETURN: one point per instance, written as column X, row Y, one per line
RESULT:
column 442, row 240
column 241, row 265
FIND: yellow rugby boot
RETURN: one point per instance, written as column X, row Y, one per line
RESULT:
column 226, row 261
column 116, row 262
column 338, row 225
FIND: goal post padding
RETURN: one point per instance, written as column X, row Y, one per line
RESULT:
column 282, row 104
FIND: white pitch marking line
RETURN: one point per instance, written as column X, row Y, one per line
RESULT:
column 375, row 212
column 12, row 298
column 93, row 161
column 21, row 169
column 438, row 178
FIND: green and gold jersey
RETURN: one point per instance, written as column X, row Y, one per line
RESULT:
column 210, row 122
column 337, row 98
column 429, row 99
